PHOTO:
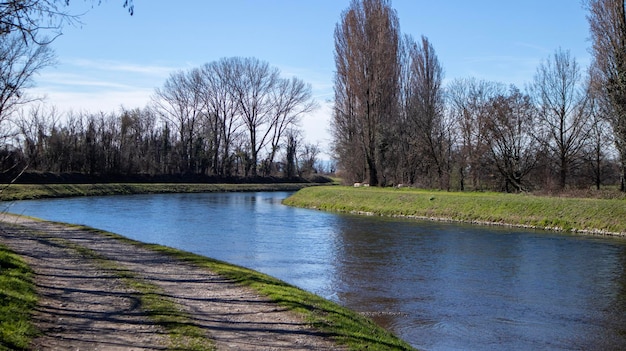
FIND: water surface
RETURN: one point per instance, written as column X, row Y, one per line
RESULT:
column 438, row 286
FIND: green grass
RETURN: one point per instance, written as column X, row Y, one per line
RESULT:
column 38, row 191
column 345, row 326
column 602, row 216
column 17, row 300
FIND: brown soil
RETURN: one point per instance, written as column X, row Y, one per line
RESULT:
column 84, row 307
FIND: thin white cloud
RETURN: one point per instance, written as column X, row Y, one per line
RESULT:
column 319, row 81
column 501, row 59
column 541, row 49
column 62, row 80
column 94, row 101
column 122, row 67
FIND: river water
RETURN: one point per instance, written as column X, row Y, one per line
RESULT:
column 438, row 286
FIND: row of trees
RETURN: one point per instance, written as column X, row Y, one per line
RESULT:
column 134, row 142
column 232, row 117
column 395, row 122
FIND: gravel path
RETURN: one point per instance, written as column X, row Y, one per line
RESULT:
column 84, row 307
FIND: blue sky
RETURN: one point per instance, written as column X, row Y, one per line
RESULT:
column 115, row 60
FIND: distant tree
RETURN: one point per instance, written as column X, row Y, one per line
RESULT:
column 600, row 144
column 179, row 103
column 25, row 26
column 34, row 125
column 253, row 87
column 607, row 21
column 291, row 99
column 469, row 105
column 308, row 159
column 426, row 112
column 366, row 87
column 510, row 137
column 291, row 153
column 561, row 98
column 222, row 112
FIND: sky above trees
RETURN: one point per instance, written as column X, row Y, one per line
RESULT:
column 114, row 59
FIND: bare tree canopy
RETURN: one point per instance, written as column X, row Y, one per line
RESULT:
column 30, row 17
column 563, row 116
column 426, row 110
column 19, row 62
column 607, row 21
column 239, row 105
column 469, row 101
column 510, row 123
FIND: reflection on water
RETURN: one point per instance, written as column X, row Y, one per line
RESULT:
column 438, row 286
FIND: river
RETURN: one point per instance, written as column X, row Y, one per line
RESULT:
column 438, row 286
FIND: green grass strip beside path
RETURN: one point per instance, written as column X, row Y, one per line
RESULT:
column 594, row 216
column 17, row 300
column 161, row 309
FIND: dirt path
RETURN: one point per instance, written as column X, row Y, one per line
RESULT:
column 84, row 307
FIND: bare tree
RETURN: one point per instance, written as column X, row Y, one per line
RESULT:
column 222, row 111
column 607, row 21
column 600, row 143
column 253, row 88
column 469, row 106
column 18, row 63
column 366, row 86
column 308, row 159
column 291, row 156
column 27, row 18
column 510, row 137
column 34, row 125
column 179, row 103
column 291, row 99
column 426, row 114
column 562, row 112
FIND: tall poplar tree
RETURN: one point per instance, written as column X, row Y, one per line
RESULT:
column 366, row 87
column 607, row 21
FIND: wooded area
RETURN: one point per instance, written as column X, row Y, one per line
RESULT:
column 230, row 118
column 396, row 123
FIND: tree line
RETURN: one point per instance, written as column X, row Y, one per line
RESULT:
column 236, row 117
column 395, row 122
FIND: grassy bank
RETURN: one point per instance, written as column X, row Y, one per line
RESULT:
column 17, row 300
column 598, row 216
column 39, row 191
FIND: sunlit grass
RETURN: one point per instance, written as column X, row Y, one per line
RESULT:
column 17, row 300
column 544, row 212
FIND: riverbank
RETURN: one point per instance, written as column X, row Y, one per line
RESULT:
column 97, row 289
column 576, row 215
column 16, row 192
